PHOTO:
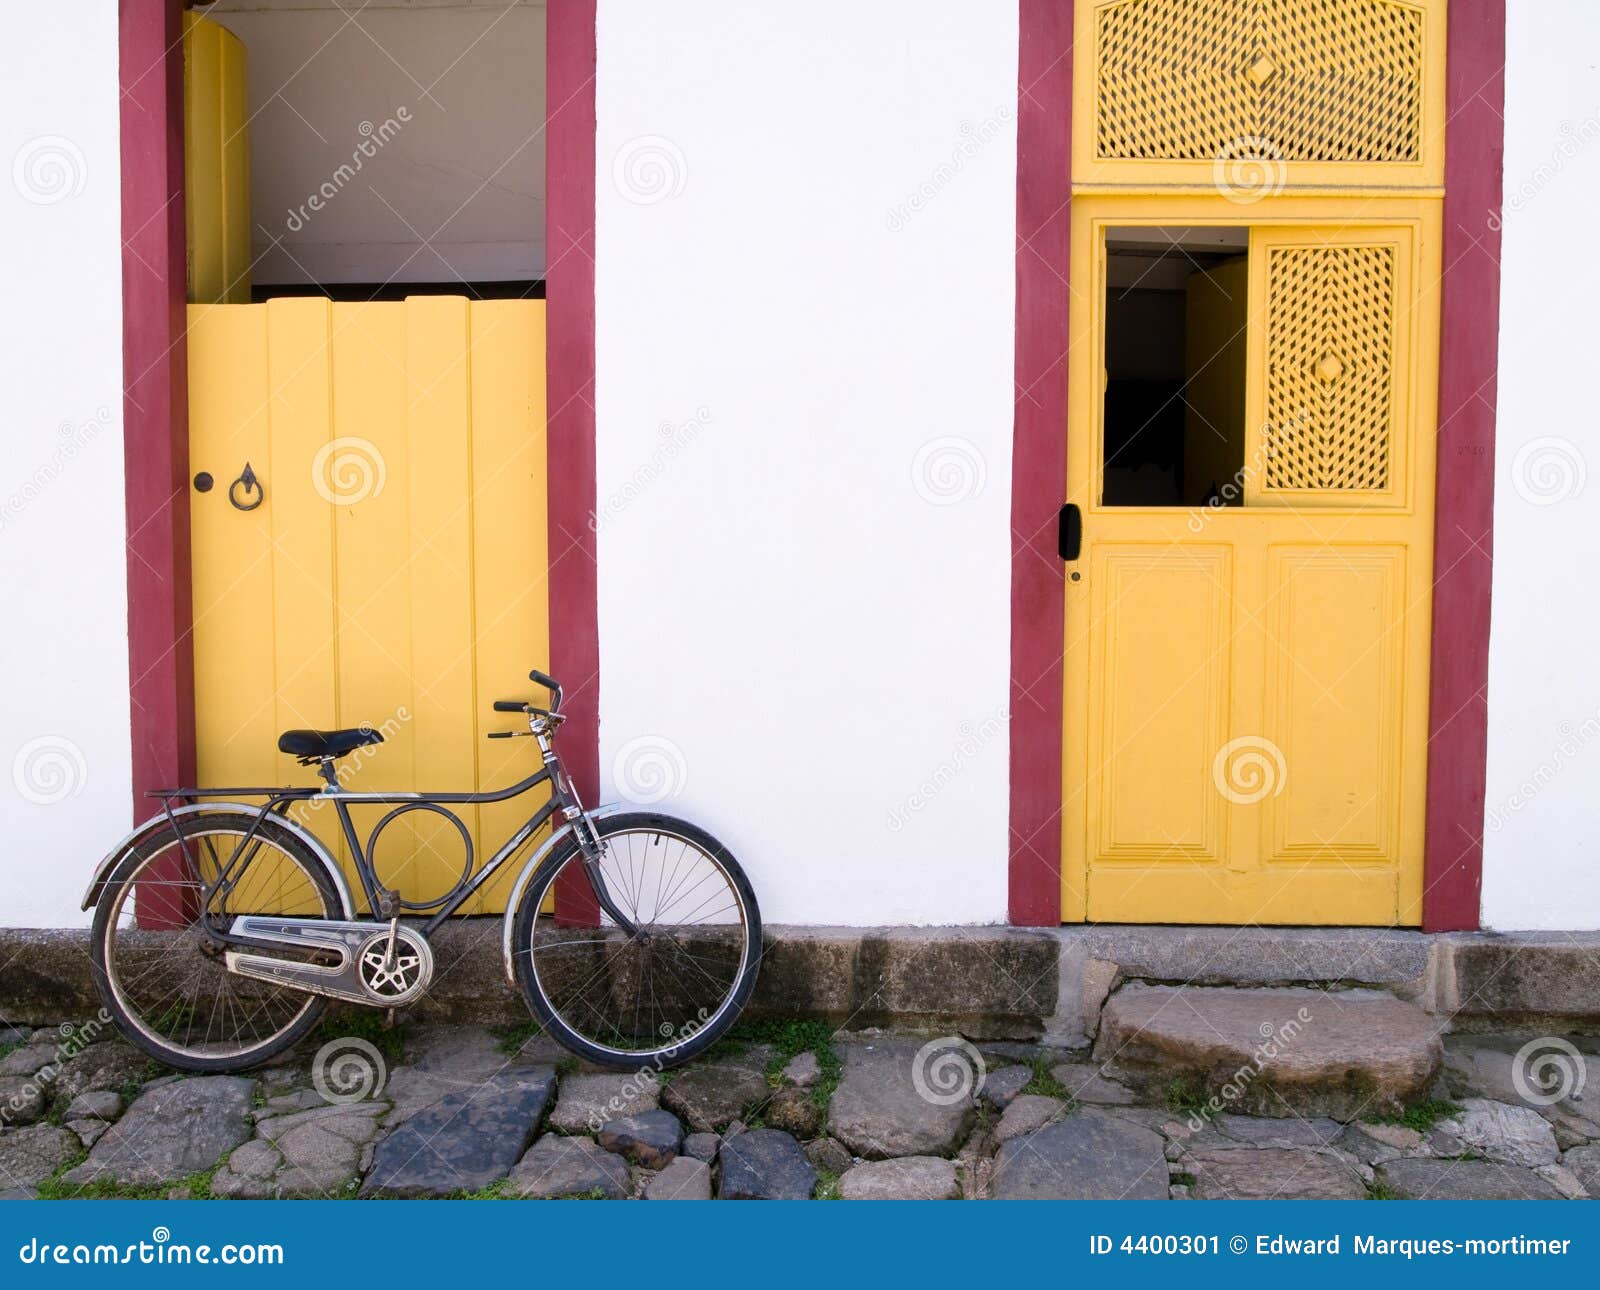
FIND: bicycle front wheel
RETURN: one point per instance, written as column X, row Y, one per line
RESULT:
column 659, row 998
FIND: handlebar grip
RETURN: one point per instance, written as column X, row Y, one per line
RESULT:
column 544, row 679
column 502, row 734
column 509, row 705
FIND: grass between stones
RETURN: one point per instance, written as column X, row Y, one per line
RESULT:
column 788, row 1040
column 1423, row 1116
column 1043, row 1082
column 366, row 1024
column 827, row 1187
column 512, row 1038
column 1382, row 1191
column 1185, row 1095
column 196, row 1186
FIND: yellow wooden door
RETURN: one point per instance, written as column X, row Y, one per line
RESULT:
column 1246, row 685
column 394, row 573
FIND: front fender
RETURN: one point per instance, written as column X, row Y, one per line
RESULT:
column 525, row 874
column 156, row 823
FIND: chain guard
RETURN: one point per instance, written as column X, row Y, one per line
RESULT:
column 364, row 973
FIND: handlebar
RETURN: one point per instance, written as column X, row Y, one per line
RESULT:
column 549, row 683
column 529, row 709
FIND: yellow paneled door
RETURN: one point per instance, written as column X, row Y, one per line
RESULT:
column 394, row 571
column 1246, row 685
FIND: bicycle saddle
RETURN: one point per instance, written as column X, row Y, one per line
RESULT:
column 314, row 745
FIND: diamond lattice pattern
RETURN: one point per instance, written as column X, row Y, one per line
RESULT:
column 1299, row 80
column 1330, row 368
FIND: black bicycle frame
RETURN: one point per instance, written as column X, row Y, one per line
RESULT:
column 279, row 800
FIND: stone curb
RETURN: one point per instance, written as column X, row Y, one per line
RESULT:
column 991, row 982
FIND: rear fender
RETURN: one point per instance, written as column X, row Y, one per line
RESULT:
column 155, row 824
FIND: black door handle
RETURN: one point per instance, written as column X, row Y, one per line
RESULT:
column 1069, row 538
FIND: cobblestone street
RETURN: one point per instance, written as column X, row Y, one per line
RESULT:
column 779, row 1111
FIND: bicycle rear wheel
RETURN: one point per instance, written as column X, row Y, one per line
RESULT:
column 660, row 999
column 160, row 973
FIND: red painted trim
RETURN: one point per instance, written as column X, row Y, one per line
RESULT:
column 569, row 237
column 1464, row 519
column 155, row 403
column 1458, row 719
column 1039, row 470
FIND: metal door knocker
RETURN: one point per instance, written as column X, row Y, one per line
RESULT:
column 248, row 481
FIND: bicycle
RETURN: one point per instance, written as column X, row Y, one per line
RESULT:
column 634, row 937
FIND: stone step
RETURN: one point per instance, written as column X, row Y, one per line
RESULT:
column 1347, row 1054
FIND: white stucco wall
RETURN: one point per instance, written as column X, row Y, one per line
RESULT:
column 804, row 280
column 1542, row 839
column 64, row 736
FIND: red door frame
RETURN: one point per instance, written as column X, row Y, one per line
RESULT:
column 1464, row 519
column 155, row 389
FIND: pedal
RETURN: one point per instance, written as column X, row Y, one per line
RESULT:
column 379, row 964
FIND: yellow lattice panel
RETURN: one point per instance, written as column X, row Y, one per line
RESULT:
column 1327, row 413
column 1253, row 96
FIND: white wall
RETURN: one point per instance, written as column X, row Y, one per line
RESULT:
column 1542, row 841
column 804, row 280
column 456, row 189
column 64, row 736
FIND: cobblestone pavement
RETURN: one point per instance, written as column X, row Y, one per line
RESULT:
column 778, row 1111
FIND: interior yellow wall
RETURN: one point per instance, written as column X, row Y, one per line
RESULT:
column 216, row 163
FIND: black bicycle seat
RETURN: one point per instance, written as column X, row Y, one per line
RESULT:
column 314, row 745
